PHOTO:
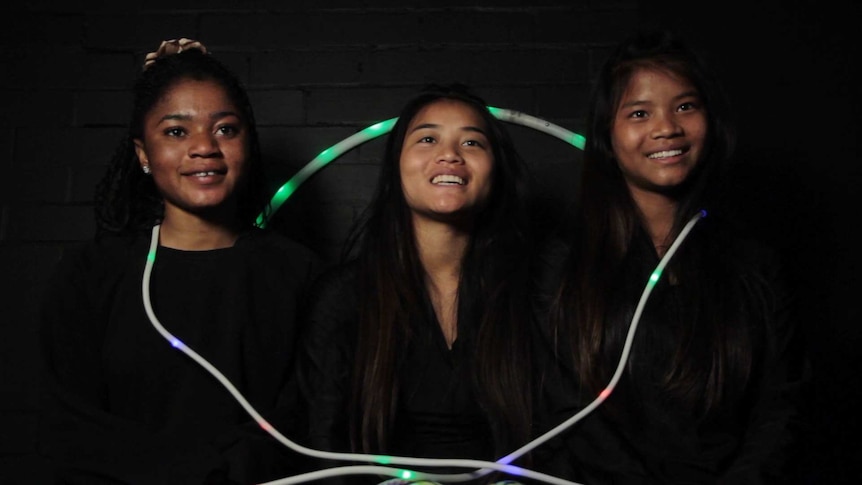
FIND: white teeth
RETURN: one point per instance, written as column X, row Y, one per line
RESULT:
column 666, row 153
column 204, row 174
column 447, row 180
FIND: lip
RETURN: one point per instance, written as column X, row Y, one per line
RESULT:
column 205, row 175
column 448, row 180
column 668, row 154
column 456, row 178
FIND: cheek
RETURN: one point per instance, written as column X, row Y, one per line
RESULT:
column 616, row 142
column 166, row 157
column 487, row 175
column 409, row 170
column 623, row 141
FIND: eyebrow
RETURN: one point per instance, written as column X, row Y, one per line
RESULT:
column 688, row 94
column 187, row 117
column 434, row 125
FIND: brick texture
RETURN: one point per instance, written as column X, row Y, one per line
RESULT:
column 317, row 72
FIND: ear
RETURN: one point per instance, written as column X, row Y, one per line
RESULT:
column 141, row 152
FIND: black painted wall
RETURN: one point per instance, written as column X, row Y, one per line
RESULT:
column 320, row 71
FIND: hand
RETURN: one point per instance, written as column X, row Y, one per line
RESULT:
column 173, row 46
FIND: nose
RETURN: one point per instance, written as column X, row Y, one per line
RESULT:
column 666, row 125
column 449, row 153
column 204, row 145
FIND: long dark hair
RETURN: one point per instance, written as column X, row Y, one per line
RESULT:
column 491, row 289
column 127, row 200
column 612, row 255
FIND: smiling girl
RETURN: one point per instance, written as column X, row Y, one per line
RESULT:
column 708, row 394
column 125, row 406
column 418, row 344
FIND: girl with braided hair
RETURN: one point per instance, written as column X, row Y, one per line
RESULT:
column 126, row 407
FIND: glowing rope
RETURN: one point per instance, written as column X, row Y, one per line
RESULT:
column 624, row 356
column 379, row 129
column 394, row 460
column 483, row 467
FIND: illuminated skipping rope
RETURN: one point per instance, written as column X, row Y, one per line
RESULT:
column 350, row 470
column 483, row 467
column 383, row 127
column 323, row 159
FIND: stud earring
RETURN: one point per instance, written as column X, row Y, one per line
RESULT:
column 146, row 169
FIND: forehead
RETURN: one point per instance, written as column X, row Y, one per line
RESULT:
column 193, row 94
column 446, row 112
column 655, row 82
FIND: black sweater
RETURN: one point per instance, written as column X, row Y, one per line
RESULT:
column 126, row 407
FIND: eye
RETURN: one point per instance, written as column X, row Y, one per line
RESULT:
column 688, row 106
column 427, row 139
column 228, row 130
column 638, row 114
column 175, row 131
column 474, row 143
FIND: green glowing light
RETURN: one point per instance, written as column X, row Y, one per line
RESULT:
column 281, row 195
column 384, row 127
column 579, row 141
column 326, row 156
column 151, row 256
column 406, row 474
column 384, row 460
column 654, row 277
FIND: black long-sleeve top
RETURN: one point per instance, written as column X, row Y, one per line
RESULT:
column 640, row 435
column 126, row 407
column 437, row 414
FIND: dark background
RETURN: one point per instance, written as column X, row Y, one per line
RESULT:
column 320, row 71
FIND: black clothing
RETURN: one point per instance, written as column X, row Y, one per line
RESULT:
column 437, row 413
column 127, row 407
column 642, row 434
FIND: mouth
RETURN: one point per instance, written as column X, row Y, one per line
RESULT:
column 448, row 180
column 666, row 154
column 205, row 173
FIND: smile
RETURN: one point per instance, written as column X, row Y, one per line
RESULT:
column 203, row 174
column 448, row 180
column 665, row 154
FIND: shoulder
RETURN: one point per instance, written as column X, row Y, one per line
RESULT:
column 739, row 246
column 336, row 283
column 89, row 273
column 273, row 242
column 554, row 250
column 550, row 264
column 333, row 303
column 755, row 256
column 277, row 251
column 107, row 254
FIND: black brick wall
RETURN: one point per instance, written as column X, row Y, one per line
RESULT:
column 319, row 71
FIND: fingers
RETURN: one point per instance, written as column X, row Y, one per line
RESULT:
column 173, row 46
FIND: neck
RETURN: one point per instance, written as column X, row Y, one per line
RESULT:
column 657, row 211
column 189, row 232
column 441, row 249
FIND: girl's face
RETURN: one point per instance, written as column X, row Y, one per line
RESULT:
column 658, row 132
column 195, row 144
column 446, row 162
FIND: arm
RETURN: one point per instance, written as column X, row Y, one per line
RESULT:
column 768, row 451
column 325, row 362
column 84, row 441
